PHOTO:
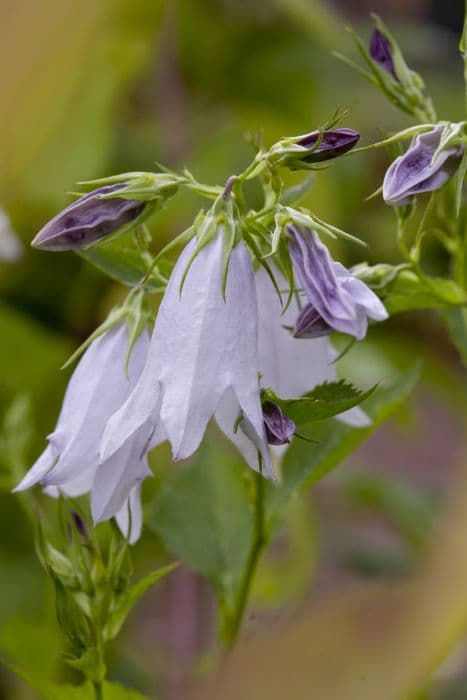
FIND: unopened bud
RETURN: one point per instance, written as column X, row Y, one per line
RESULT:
column 279, row 429
column 331, row 144
column 381, row 52
column 80, row 525
column 310, row 324
column 88, row 220
column 301, row 152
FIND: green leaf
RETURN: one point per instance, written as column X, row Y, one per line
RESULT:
column 131, row 596
column 203, row 515
column 324, row 401
column 456, row 320
column 305, row 465
column 122, row 264
column 407, row 291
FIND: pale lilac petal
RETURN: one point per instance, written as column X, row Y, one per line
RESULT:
column 242, row 343
column 76, row 487
column 414, row 172
column 243, row 435
column 192, row 349
column 131, row 507
column 292, row 366
column 343, row 302
column 98, row 386
column 140, row 409
column 39, row 470
column 117, row 476
column 355, row 417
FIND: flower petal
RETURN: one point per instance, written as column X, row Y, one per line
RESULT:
column 39, row 470
column 132, row 507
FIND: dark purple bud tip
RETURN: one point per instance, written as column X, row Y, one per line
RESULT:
column 310, row 324
column 79, row 524
column 381, row 52
column 279, row 428
column 88, row 220
column 333, row 143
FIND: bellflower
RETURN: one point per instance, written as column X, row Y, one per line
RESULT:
column 289, row 366
column 415, row 172
column 343, row 302
column 293, row 366
column 70, row 463
column 203, row 357
column 88, row 219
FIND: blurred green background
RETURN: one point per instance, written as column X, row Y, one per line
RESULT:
column 93, row 88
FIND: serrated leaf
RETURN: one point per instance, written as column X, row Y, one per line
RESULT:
column 202, row 514
column 324, row 401
column 304, row 465
column 121, row 264
column 131, row 596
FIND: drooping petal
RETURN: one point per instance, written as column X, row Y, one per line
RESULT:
column 293, row 366
column 131, row 510
column 242, row 347
column 192, row 345
column 98, row 386
column 253, row 447
column 39, row 470
column 117, row 476
column 414, row 172
column 342, row 301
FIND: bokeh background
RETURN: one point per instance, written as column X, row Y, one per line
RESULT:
column 92, row 88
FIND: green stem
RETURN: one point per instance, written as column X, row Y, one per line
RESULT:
column 257, row 545
column 98, row 690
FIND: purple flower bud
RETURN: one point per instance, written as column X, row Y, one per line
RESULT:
column 79, row 523
column 342, row 301
column 414, row 172
column 381, row 52
column 87, row 220
column 279, row 429
column 333, row 143
column 310, row 324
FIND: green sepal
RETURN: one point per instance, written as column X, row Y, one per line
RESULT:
column 70, row 617
column 138, row 318
column 90, row 664
column 302, row 217
column 144, row 186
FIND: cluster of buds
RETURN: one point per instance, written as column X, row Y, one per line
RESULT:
column 388, row 70
column 93, row 593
